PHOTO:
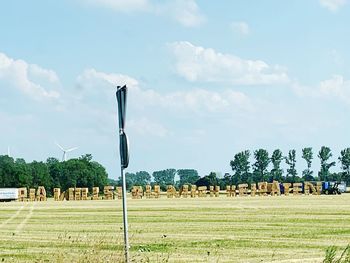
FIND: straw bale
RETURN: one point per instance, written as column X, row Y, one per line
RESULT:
column 193, row 190
column 202, row 191
column 95, row 193
column 262, row 188
column 287, row 188
column 56, row 194
column 84, row 193
column 242, row 189
column 275, row 188
column 22, row 194
column 297, row 188
column 253, row 189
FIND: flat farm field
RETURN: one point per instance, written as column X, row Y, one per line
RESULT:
column 222, row 229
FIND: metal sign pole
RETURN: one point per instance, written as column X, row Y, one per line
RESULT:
column 124, row 160
column 125, row 218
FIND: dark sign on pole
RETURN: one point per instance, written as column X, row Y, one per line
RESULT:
column 124, row 160
column 123, row 139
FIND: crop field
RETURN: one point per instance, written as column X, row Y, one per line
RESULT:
column 223, row 229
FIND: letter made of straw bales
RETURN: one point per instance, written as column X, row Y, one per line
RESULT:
column 108, row 192
column 171, row 191
column 318, row 188
column 211, row 191
column 22, row 194
column 309, row 188
column 62, row 196
column 275, row 188
column 95, row 193
column 56, row 194
column 297, row 188
column 262, row 186
column 32, row 194
column 136, row 192
column 193, row 190
column 242, row 189
column 71, row 194
column 230, row 190
column 184, row 191
column 77, row 194
column 84, row 193
column 286, row 188
column 41, row 194
column 119, row 192
column 156, row 192
column 217, row 191
column 252, row 189
column 202, row 191
column 148, row 191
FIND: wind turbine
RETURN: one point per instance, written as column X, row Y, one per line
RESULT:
column 65, row 151
column 8, row 151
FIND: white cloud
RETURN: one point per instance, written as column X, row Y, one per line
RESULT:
column 145, row 126
column 122, row 5
column 196, row 101
column 333, row 5
column 185, row 12
column 28, row 78
column 90, row 76
column 240, row 27
column 335, row 87
column 196, row 63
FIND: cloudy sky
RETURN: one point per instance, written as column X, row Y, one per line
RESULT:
column 206, row 79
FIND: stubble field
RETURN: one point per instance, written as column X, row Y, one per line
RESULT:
column 223, row 229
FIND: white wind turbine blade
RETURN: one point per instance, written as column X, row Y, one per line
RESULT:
column 71, row 149
column 60, row 146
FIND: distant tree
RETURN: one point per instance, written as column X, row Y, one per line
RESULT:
column 142, row 178
column 325, row 154
column 187, row 176
column 291, row 171
column 208, row 180
column 54, row 167
column 260, row 166
column 8, row 176
column 241, row 168
column 23, row 173
column 164, row 178
column 276, row 171
column 344, row 160
column 308, row 156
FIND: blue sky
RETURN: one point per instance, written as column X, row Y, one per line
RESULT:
column 206, row 79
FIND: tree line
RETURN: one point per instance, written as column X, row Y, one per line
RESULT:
column 243, row 171
column 80, row 172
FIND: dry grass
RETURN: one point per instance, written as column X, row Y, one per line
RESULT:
column 246, row 229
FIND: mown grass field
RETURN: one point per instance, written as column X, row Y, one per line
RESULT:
column 246, row 229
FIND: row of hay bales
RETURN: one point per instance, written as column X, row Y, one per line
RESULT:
column 260, row 189
column 137, row 192
column 33, row 194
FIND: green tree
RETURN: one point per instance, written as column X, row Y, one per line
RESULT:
column 308, row 156
column 262, row 161
column 276, row 171
column 241, row 168
column 164, row 178
column 23, row 173
column 325, row 154
column 291, row 171
column 344, row 160
column 208, row 180
column 187, row 176
column 41, row 176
